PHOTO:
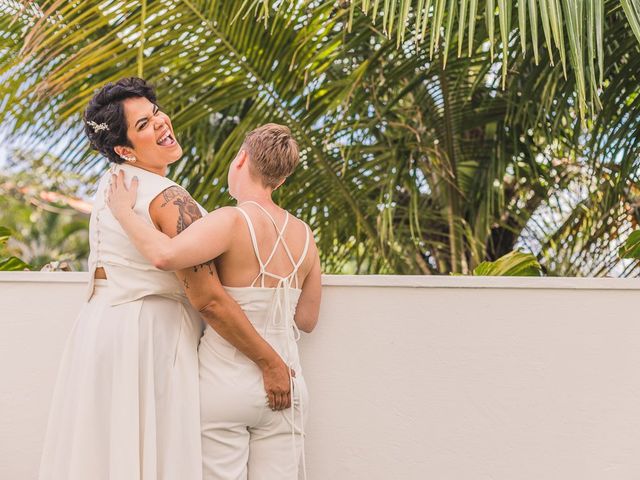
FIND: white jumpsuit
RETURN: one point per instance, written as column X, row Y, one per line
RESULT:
column 126, row 404
column 242, row 438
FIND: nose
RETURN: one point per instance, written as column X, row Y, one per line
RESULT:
column 161, row 121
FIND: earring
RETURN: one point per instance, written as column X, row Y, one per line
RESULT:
column 130, row 159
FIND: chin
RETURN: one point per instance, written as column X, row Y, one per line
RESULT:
column 175, row 156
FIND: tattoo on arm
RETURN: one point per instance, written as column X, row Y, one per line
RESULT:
column 208, row 265
column 188, row 212
column 171, row 193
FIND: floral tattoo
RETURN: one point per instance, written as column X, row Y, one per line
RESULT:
column 188, row 212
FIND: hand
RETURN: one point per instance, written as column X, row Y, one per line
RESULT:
column 277, row 384
column 121, row 199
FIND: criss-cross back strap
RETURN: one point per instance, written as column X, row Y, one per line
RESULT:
column 280, row 240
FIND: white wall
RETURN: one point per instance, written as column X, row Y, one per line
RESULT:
column 445, row 378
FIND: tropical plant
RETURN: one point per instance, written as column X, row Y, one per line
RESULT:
column 39, row 206
column 426, row 156
column 513, row 264
column 9, row 262
column 573, row 32
column 631, row 248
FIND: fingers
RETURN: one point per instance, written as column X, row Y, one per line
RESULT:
column 117, row 182
column 279, row 400
column 112, row 189
column 133, row 187
column 284, row 400
column 286, row 395
column 117, row 188
column 272, row 400
column 113, row 184
column 120, row 180
column 278, row 385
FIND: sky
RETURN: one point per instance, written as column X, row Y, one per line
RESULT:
column 4, row 155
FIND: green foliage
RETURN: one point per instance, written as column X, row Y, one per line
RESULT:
column 513, row 264
column 34, row 207
column 415, row 158
column 631, row 248
column 9, row 263
column 5, row 233
column 572, row 32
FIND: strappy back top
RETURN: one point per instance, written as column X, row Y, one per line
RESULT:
column 279, row 241
column 272, row 309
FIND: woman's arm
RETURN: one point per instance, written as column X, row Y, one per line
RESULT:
column 207, row 238
column 217, row 308
column 308, row 308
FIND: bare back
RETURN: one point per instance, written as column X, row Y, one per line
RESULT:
column 239, row 267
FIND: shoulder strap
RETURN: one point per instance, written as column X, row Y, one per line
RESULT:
column 254, row 242
column 302, row 256
column 306, row 247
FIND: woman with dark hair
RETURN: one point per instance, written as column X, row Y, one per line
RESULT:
column 126, row 404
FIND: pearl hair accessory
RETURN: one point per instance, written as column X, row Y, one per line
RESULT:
column 98, row 126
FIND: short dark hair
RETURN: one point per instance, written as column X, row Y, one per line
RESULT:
column 106, row 107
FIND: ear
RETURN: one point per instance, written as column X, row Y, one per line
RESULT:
column 122, row 151
column 242, row 158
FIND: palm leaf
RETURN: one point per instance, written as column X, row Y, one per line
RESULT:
column 631, row 248
column 408, row 166
column 514, row 264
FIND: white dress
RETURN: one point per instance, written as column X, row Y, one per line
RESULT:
column 126, row 403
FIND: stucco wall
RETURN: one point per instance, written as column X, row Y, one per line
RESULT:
column 410, row 377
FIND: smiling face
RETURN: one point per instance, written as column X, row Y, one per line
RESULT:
column 150, row 132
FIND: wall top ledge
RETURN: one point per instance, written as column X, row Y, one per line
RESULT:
column 399, row 281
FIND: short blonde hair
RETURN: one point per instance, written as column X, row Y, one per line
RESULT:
column 273, row 153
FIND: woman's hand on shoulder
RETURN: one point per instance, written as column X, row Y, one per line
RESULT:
column 121, row 198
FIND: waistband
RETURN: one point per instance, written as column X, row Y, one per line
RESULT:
column 100, row 288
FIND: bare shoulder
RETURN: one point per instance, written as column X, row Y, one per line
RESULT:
column 306, row 226
column 223, row 217
column 312, row 251
column 228, row 212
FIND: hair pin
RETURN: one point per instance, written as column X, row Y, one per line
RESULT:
column 98, row 126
